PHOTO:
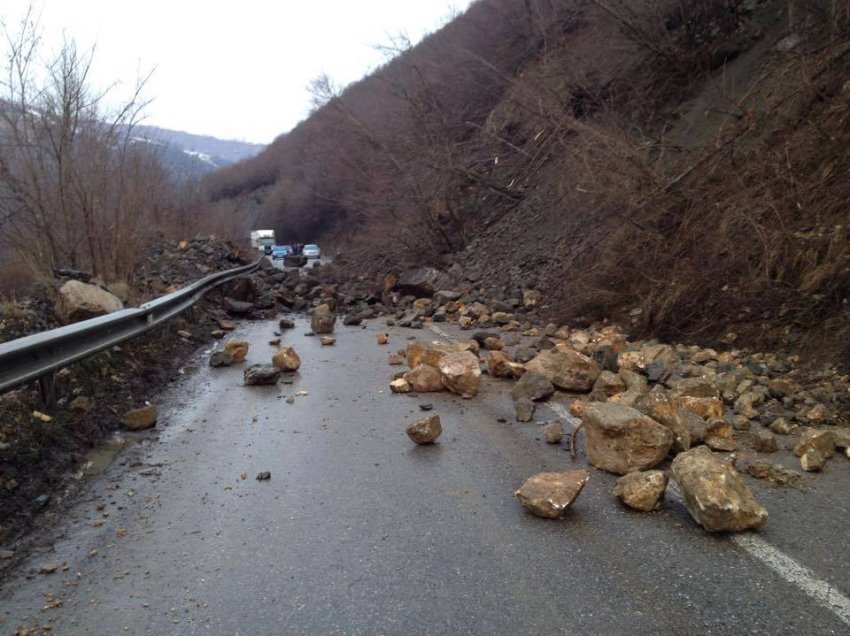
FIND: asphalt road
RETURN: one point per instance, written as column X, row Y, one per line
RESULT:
column 358, row 531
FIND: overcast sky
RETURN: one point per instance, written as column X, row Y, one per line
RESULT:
column 235, row 69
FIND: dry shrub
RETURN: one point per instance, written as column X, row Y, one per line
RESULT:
column 749, row 235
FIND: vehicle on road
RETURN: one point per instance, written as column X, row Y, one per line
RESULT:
column 263, row 240
column 281, row 251
column 311, row 250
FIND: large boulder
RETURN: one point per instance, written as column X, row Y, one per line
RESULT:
column 501, row 366
column 621, row 440
column 422, row 282
column 715, row 493
column 81, row 301
column 566, row 369
column 424, row 378
column 461, row 373
column 549, row 495
column 323, row 319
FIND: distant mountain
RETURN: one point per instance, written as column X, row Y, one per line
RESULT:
column 195, row 155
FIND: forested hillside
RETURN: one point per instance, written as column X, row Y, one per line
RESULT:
column 681, row 166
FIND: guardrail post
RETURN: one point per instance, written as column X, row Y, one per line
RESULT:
column 47, row 391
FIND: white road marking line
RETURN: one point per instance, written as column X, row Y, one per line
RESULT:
column 786, row 567
column 791, row 571
column 441, row 333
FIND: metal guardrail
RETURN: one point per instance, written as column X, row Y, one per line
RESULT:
column 35, row 357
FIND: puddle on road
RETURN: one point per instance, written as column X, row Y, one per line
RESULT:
column 99, row 459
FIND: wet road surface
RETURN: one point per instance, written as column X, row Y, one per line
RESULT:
column 358, row 531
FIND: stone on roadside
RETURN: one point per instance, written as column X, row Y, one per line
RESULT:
column 396, row 359
column 524, row 410
column 812, row 460
column 238, row 350
column 286, row 323
column 140, row 419
column 82, row 404
column 530, row 298
column 493, row 344
column 78, row 301
column 823, row 441
column 764, row 441
column 501, row 366
column 621, row 440
column 566, row 369
column 286, row 359
column 607, row 385
column 461, row 373
column 260, row 374
column 426, row 430
column 220, row 359
column 549, row 495
column 383, row 338
column 424, row 379
column 553, row 432
column 715, row 493
column 327, row 341
column 400, row 386
column 323, row 319
column 225, row 324
column 781, row 426
column 532, row 386
column 641, row 490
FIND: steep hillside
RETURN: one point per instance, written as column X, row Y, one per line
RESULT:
column 679, row 166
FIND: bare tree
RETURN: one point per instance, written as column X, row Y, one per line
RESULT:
column 76, row 189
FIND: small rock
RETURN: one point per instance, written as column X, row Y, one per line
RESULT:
column 264, row 476
column 220, row 359
column 323, row 319
column 286, row 323
column 217, row 333
column 524, row 409
column 823, row 441
column 48, row 568
column 261, row 374
column 226, row 325
column 286, row 359
column 426, row 430
column 327, row 341
column 140, row 419
column 290, row 400
column 549, row 495
column 82, row 404
column 395, row 359
column 764, row 441
column 553, row 432
column 781, row 426
column 383, row 338
column 184, row 334
column 532, row 386
column 493, row 344
column 812, row 460
column 238, row 350
column 724, row 444
column 400, row 386
column 641, row 490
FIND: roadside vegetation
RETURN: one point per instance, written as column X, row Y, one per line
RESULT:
column 679, row 164
column 76, row 190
